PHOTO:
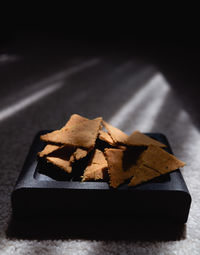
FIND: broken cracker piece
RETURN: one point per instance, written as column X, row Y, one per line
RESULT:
column 160, row 160
column 104, row 136
column 142, row 174
column 61, row 163
column 61, row 158
column 49, row 148
column 115, row 167
column 117, row 135
column 74, row 120
column 78, row 154
column 97, row 167
column 139, row 139
column 81, row 134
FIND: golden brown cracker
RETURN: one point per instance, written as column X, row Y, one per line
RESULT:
column 61, row 163
column 81, row 134
column 61, row 158
column 74, row 120
column 117, row 135
column 115, row 167
column 142, row 174
column 49, row 148
column 104, row 136
column 139, row 139
column 97, row 167
column 160, row 160
column 80, row 153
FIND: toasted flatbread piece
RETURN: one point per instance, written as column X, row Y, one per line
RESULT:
column 61, row 163
column 81, row 134
column 115, row 167
column 104, row 136
column 97, row 167
column 74, row 120
column 78, row 154
column 117, row 135
column 61, row 158
column 142, row 174
column 49, row 148
column 160, row 160
column 139, row 139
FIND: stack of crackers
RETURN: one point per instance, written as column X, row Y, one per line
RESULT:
column 111, row 155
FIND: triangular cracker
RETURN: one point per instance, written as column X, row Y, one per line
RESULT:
column 116, row 171
column 117, row 135
column 48, row 149
column 81, row 134
column 142, row 174
column 104, row 136
column 61, row 158
column 74, row 120
column 160, row 160
column 97, row 167
column 139, row 139
column 61, row 163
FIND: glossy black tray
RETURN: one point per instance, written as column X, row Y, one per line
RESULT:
column 39, row 195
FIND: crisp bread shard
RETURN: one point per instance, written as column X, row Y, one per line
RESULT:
column 160, row 160
column 82, row 134
column 117, row 174
column 142, row 174
column 139, row 139
column 117, row 135
column 61, row 163
column 78, row 154
column 97, row 167
column 49, row 148
column 61, row 158
column 136, row 157
column 74, row 120
column 104, row 136
column 154, row 162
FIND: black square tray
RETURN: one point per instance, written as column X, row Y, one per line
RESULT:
column 38, row 195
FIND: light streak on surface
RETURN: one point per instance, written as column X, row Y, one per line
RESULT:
column 54, row 83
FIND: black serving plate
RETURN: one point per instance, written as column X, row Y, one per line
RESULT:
column 39, row 195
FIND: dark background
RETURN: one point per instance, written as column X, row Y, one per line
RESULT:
column 173, row 49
